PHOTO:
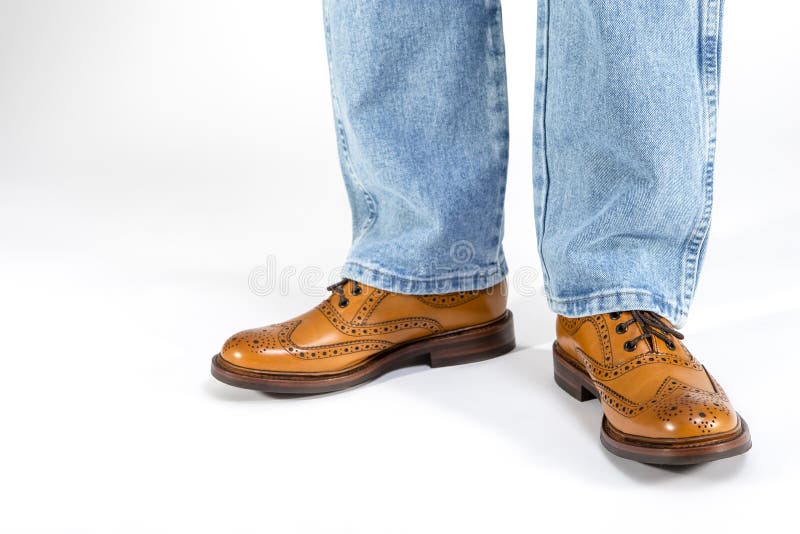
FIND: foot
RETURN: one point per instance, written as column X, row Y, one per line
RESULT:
column 361, row 332
column 661, row 405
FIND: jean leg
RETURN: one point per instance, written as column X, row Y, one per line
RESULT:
column 625, row 129
column 419, row 95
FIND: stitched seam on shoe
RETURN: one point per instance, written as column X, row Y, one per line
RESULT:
column 371, row 326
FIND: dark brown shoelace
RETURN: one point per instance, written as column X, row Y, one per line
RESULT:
column 651, row 326
column 338, row 288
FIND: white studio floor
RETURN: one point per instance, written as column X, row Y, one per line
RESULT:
column 112, row 422
column 142, row 184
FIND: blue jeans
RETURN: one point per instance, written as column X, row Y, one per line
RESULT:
column 624, row 135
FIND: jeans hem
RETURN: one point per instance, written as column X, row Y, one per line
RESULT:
column 388, row 281
column 607, row 302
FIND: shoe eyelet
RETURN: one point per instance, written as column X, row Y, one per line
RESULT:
column 621, row 328
column 615, row 315
column 628, row 346
column 357, row 291
column 343, row 303
column 670, row 345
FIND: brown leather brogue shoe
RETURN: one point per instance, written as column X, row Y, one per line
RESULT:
column 661, row 405
column 361, row 332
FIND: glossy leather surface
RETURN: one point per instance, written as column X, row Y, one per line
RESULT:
column 331, row 338
column 654, row 391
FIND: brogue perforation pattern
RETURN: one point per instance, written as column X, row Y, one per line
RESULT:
column 325, row 351
column 367, row 309
column 600, row 371
column 360, row 328
column 449, row 300
column 673, row 399
column 676, row 400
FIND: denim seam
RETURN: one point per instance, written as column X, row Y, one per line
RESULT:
column 343, row 143
column 605, row 294
column 545, row 168
column 383, row 271
column 644, row 300
column 378, row 278
column 709, row 67
column 496, row 66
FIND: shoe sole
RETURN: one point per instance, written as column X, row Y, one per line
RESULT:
column 466, row 345
column 689, row 451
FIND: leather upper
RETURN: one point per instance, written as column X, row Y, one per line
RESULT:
column 331, row 338
column 655, row 389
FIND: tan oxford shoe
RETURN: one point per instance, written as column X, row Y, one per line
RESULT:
column 361, row 332
column 661, row 406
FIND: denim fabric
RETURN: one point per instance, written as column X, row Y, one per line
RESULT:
column 624, row 134
column 419, row 96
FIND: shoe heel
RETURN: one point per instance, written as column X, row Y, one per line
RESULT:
column 474, row 344
column 569, row 379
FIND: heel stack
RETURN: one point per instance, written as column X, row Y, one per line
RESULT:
column 474, row 344
column 569, row 379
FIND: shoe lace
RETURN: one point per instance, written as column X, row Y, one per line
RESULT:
column 338, row 289
column 651, row 326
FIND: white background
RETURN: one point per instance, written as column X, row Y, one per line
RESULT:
column 153, row 153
